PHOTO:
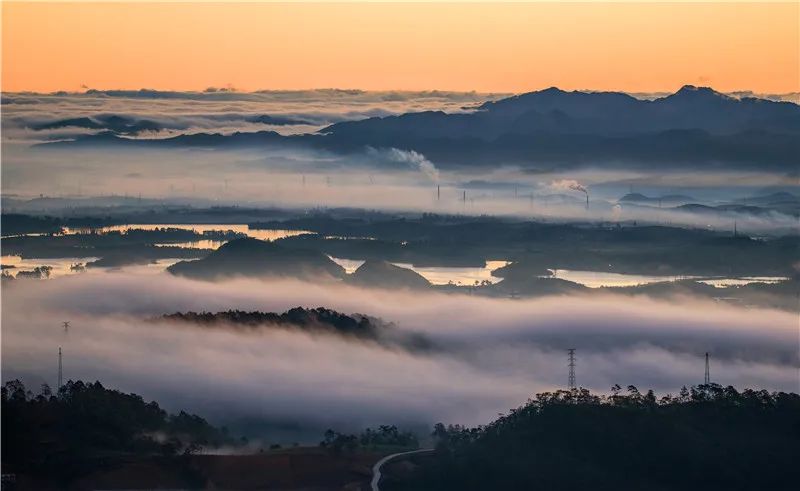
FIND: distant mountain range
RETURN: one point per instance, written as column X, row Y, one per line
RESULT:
column 554, row 128
column 782, row 202
column 555, row 111
column 126, row 125
column 671, row 199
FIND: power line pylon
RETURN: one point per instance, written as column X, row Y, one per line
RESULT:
column 571, row 383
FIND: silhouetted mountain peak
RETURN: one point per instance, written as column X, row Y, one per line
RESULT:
column 376, row 273
column 552, row 91
column 669, row 198
column 253, row 257
column 246, row 244
column 635, row 197
column 693, row 89
column 694, row 93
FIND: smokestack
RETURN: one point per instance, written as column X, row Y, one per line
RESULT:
column 438, row 193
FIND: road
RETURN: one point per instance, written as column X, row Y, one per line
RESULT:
column 376, row 469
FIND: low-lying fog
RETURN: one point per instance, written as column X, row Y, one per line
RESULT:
column 372, row 178
column 388, row 179
column 488, row 355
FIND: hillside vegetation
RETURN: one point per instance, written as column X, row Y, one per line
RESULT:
column 709, row 437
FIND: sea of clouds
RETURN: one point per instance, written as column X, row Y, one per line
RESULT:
column 487, row 355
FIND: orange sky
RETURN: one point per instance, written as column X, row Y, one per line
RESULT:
column 483, row 47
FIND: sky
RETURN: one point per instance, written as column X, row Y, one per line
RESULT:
column 513, row 47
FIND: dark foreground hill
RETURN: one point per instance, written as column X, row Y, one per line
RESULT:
column 61, row 435
column 254, row 258
column 709, row 438
column 88, row 437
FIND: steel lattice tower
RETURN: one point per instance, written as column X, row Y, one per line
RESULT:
column 707, row 379
column 571, row 383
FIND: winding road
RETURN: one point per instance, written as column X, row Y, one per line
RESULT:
column 376, row 469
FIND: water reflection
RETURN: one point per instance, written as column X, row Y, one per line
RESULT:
column 240, row 228
column 438, row 275
column 196, row 244
column 598, row 279
column 62, row 266
column 349, row 265
column 744, row 280
column 442, row 275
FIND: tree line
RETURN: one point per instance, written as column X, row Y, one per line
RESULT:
column 66, row 432
column 380, row 438
column 706, row 437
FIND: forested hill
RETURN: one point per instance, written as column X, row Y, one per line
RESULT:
column 65, row 433
column 706, row 438
column 319, row 320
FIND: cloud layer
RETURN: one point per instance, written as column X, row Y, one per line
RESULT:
column 492, row 354
column 380, row 177
column 218, row 111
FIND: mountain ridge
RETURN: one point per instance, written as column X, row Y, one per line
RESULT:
column 552, row 129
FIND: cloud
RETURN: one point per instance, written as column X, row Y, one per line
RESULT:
column 400, row 178
column 220, row 110
column 495, row 352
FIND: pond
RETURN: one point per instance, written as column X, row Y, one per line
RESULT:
column 598, row 279
column 438, row 275
column 65, row 266
column 61, row 266
column 241, row 228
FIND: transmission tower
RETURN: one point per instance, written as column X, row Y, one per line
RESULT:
column 571, row 383
column 707, row 379
column 60, row 371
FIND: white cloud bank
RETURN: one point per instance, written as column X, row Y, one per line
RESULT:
column 492, row 354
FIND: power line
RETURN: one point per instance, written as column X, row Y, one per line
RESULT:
column 60, row 370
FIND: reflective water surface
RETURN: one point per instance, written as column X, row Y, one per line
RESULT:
column 597, row 279
column 60, row 266
column 438, row 275
column 241, row 228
